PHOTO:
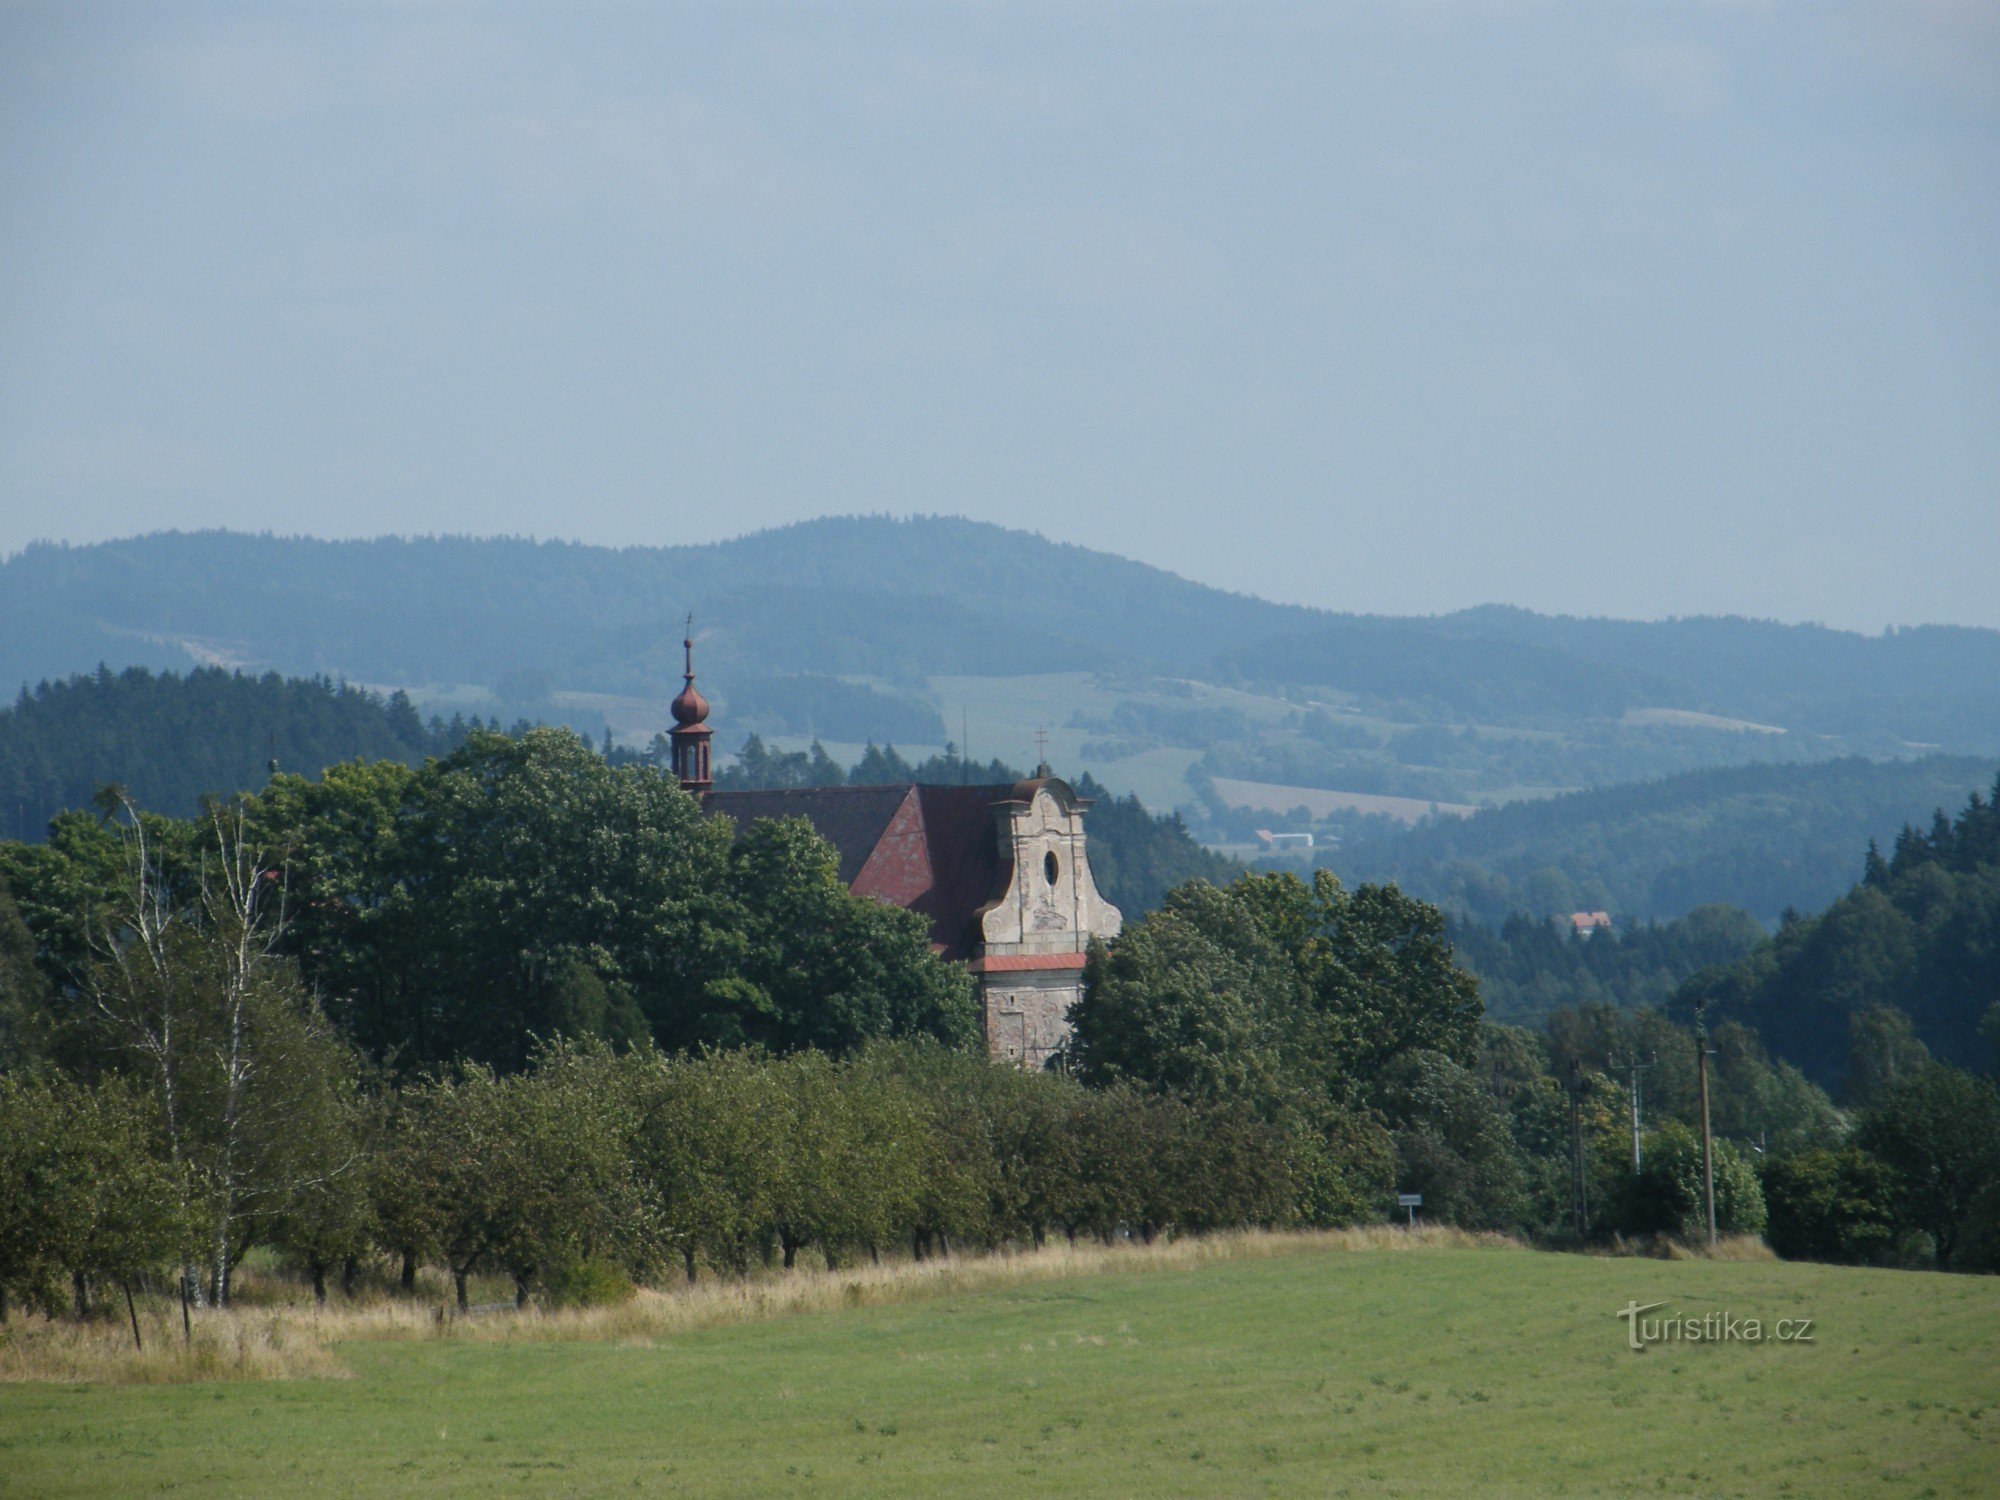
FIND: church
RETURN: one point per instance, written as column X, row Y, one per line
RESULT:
column 1002, row 873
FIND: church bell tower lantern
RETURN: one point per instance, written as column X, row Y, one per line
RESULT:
column 691, row 734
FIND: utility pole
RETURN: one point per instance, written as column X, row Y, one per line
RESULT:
column 1707, row 1149
column 1579, row 1201
column 1633, row 1068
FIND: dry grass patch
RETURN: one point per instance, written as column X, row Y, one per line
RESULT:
column 289, row 1341
column 1731, row 1247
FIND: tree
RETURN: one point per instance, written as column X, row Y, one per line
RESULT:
column 1272, row 991
column 1939, row 1129
column 84, row 1191
column 531, row 1174
column 706, row 1147
column 518, row 866
column 1882, row 1047
column 323, row 1210
column 1831, row 1205
column 26, row 1029
column 814, row 965
column 189, row 987
column 1453, row 1144
column 1666, row 1197
column 523, row 888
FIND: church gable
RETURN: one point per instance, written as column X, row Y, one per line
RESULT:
column 1051, row 904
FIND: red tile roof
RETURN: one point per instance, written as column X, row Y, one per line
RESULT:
column 1008, row 963
column 932, row 849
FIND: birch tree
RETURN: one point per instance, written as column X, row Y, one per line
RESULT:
column 188, row 983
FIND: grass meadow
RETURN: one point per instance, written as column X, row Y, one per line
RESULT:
column 1362, row 1364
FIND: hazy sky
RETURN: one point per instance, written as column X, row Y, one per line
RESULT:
column 1631, row 309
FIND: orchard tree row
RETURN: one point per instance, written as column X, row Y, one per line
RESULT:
column 588, row 1171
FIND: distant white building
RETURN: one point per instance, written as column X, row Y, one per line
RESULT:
column 1272, row 840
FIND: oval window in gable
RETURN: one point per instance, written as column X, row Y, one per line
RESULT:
column 1051, row 868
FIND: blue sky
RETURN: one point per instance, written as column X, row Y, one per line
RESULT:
column 1611, row 309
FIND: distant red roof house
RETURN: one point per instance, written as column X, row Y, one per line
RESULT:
column 1584, row 923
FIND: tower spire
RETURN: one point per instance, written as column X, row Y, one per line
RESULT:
column 690, row 735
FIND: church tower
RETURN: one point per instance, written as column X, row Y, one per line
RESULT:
column 691, row 734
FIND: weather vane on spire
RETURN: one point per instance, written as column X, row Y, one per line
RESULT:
column 1041, row 751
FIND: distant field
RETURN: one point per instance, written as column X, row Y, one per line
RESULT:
column 1316, row 1372
column 1684, row 718
column 1321, row 803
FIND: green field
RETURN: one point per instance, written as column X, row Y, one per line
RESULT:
column 1310, row 1373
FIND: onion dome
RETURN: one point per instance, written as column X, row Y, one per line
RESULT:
column 689, row 708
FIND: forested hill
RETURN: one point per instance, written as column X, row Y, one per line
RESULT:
column 1919, row 934
column 1762, row 838
column 903, row 600
column 169, row 739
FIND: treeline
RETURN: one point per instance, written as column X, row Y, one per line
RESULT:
column 1919, row 935
column 171, row 740
column 758, row 768
column 1763, row 838
column 518, row 887
column 1339, row 1015
column 1529, row 969
column 586, row 1172
column 1905, row 1173
column 522, row 1012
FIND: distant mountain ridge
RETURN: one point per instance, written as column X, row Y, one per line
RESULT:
column 901, row 600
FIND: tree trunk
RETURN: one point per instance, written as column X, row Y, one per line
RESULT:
column 409, row 1270
column 521, row 1283
column 3, row 1306
column 459, row 1278
column 318, row 1268
column 349, row 1270
column 791, row 1250
column 79, row 1286
column 218, row 1271
column 687, row 1259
